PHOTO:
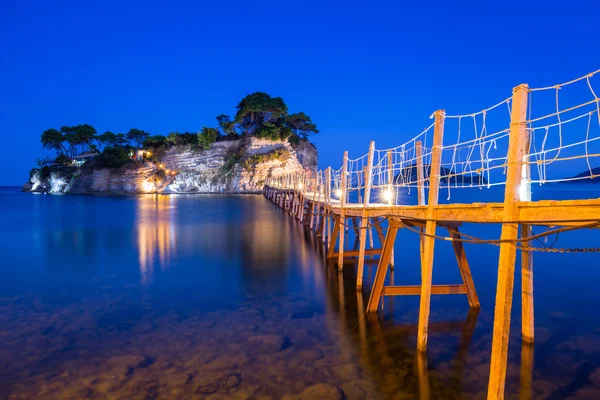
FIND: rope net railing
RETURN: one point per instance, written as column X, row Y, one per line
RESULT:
column 474, row 149
column 563, row 127
column 564, row 131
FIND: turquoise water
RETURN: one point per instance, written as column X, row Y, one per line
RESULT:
column 179, row 296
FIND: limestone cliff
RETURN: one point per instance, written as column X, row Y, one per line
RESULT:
column 237, row 166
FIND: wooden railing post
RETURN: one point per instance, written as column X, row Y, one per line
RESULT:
column 517, row 150
column 390, row 179
column 430, row 225
column 365, row 216
column 342, row 218
column 420, row 187
column 328, row 202
column 420, row 174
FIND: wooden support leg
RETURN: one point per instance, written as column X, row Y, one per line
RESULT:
column 361, row 252
column 504, row 294
column 342, row 235
column 309, row 211
column 334, row 237
column 300, row 208
column 356, row 233
column 325, row 221
column 426, row 272
column 527, row 287
column 382, row 268
column 320, row 218
column 423, row 374
column 526, row 373
column 465, row 271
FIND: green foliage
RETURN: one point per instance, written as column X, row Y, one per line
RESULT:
column 207, row 137
column 78, row 137
column 226, row 124
column 182, row 139
column 42, row 162
column 137, row 136
column 107, row 138
column 32, row 172
column 53, row 140
column 278, row 154
column 301, row 124
column 113, row 157
column 257, row 109
column 233, row 156
column 155, row 141
column 63, row 159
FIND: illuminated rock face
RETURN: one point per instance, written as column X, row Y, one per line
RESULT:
column 196, row 171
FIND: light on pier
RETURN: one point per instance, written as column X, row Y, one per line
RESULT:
column 388, row 195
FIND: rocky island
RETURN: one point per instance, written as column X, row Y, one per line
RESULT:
column 261, row 141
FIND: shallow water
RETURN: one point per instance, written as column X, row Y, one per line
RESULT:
column 227, row 297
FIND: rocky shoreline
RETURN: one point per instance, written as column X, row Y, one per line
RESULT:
column 195, row 171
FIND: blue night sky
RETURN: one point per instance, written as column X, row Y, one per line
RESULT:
column 362, row 70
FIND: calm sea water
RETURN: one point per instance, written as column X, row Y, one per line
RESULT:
column 177, row 297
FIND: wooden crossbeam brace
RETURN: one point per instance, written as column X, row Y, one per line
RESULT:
column 355, row 253
column 415, row 290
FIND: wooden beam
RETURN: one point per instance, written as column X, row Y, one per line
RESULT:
column 390, row 178
column 508, row 250
column 388, row 246
column 354, row 253
column 429, row 241
column 342, row 219
column 334, row 237
column 527, row 315
column 365, row 219
column 415, row 290
column 463, row 266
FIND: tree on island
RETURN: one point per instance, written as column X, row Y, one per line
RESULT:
column 258, row 114
column 137, row 136
column 53, row 140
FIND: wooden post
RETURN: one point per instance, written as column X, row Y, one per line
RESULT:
column 463, row 266
column 327, row 203
column 365, row 220
column 420, row 174
column 508, row 251
column 342, row 220
column 390, row 163
column 386, row 252
column 314, row 201
column 526, row 373
column 420, row 187
column 527, row 316
column 430, row 225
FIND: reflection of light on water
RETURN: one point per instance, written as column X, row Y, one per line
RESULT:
column 156, row 236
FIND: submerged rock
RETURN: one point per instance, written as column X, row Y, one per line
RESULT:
column 265, row 344
column 319, row 391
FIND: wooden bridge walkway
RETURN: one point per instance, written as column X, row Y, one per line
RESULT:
column 331, row 201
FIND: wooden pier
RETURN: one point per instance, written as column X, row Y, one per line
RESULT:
column 333, row 201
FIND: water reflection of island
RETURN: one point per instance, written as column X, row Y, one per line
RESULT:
column 155, row 235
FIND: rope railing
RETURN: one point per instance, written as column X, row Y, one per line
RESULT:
column 474, row 152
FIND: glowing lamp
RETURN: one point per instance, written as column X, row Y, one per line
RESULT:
column 388, row 195
column 300, row 186
column 338, row 192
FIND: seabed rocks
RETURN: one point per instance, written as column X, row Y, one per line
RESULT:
column 94, row 349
